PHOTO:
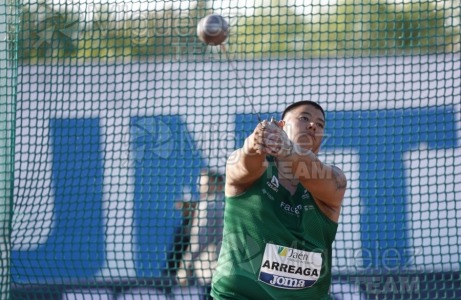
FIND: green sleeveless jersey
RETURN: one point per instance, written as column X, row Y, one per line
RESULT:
column 275, row 245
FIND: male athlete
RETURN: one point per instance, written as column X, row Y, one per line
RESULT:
column 282, row 209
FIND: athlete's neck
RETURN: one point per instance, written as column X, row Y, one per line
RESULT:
column 284, row 171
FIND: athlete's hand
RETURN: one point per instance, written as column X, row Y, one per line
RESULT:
column 271, row 139
column 257, row 139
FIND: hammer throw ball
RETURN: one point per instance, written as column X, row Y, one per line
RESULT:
column 213, row 29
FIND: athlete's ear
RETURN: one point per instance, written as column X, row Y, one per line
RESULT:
column 281, row 123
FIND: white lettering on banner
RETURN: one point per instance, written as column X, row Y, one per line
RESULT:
column 289, row 268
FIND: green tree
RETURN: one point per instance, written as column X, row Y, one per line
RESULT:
column 145, row 34
column 46, row 33
column 272, row 30
column 380, row 27
column 352, row 27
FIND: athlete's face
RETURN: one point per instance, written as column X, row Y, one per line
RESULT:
column 305, row 126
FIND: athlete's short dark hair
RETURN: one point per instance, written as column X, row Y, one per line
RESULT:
column 302, row 102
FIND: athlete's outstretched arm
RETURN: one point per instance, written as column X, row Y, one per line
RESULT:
column 245, row 165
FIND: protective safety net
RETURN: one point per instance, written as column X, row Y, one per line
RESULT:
column 116, row 122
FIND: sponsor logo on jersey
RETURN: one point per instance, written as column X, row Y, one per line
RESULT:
column 267, row 194
column 306, row 195
column 282, row 251
column 291, row 209
column 273, row 184
column 287, row 282
column 308, row 207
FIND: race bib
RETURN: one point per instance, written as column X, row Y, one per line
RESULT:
column 290, row 268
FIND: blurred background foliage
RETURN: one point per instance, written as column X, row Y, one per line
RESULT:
column 387, row 28
column 347, row 28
